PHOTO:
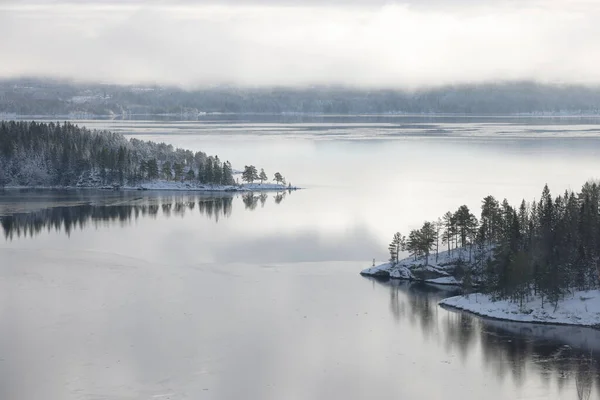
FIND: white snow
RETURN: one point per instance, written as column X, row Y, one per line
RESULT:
column 445, row 280
column 168, row 185
column 415, row 269
column 401, row 273
column 194, row 186
column 376, row 269
column 580, row 308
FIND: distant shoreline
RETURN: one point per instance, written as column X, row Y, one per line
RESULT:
column 175, row 116
column 169, row 186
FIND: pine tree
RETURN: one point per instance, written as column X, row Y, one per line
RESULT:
column 250, row 174
column 201, row 175
column 278, row 178
column 439, row 225
column 449, row 229
column 490, row 217
column 263, row 176
column 427, row 238
column 143, row 169
column 413, row 244
column 178, row 168
column 217, row 171
column 209, row 176
column 190, row 175
column 396, row 246
column 227, row 174
column 152, row 169
column 465, row 221
column 166, row 170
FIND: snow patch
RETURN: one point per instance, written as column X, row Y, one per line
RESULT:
column 581, row 308
column 438, row 271
column 445, row 280
column 194, row 186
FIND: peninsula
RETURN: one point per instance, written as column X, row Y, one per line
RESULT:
column 55, row 155
column 538, row 262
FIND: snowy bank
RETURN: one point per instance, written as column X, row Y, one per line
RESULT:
column 171, row 186
column 193, row 186
column 581, row 308
column 446, row 270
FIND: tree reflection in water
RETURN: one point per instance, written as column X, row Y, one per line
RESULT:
column 66, row 218
column 561, row 354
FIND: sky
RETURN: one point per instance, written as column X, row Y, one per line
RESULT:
column 361, row 43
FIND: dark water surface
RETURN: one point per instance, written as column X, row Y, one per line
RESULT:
column 167, row 295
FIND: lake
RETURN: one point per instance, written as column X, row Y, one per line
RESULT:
column 171, row 295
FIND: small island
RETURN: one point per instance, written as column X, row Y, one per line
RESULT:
column 538, row 262
column 55, row 155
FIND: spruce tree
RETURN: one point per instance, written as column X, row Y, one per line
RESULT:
column 227, row 174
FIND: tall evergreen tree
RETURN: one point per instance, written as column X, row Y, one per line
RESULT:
column 263, row 176
column 152, row 169
column 167, row 171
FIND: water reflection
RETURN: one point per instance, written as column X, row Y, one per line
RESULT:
column 565, row 355
column 69, row 217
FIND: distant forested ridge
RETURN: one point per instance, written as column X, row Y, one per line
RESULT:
column 546, row 248
column 39, row 154
column 43, row 97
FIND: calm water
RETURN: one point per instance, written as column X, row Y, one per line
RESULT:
column 160, row 295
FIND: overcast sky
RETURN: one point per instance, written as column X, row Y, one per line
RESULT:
column 368, row 43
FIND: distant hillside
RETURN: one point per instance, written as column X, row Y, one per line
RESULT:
column 44, row 97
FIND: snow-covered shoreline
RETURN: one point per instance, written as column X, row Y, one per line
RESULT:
column 441, row 271
column 579, row 309
column 173, row 186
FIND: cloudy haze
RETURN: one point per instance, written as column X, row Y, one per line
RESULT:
column 259, row 43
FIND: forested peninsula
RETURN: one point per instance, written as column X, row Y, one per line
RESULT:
column 537, row 262
column 52, row 154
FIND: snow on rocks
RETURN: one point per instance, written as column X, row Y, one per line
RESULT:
column 194, row 186
column 440, row 272
column 382, row 270
column 581, row 308
column 445, row 280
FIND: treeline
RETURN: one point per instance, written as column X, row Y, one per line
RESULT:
column 546, row 248
column 33, row 153
column 44, row 97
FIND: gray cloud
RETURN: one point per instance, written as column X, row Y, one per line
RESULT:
column 263, row 42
